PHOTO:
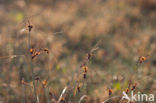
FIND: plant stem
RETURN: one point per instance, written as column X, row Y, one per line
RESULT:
column 31, row 66
column 24, row 99
column 46, row 94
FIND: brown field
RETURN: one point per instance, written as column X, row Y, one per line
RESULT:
column 59, row 51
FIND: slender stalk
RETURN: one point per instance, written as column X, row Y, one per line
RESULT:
column 46, row 95
column 31, row 66
column 84, row 96
column 24, row 99
column 110, row 98
column 38, row 100
column 63, row 92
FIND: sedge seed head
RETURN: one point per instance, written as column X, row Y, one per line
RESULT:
column 110, row 92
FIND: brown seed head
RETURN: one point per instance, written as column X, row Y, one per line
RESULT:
column 62, row 100
column 134, row 86
column 35, row 54
column 142, row 59
column 31, row 51
column 110, row 92
column 46, row 50
column 50, row 94
column 85, row 68
column 89, row 55
column 30, row 27
column 37, row 78
column 127, row 90
column 78, row 88
column 44, row 83
column 84, row 75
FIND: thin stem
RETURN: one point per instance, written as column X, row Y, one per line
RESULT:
column 63, row 92
column 29, row 40
column 84, row 96
column 46, row 95
column 31, row 66
column 111, row 98
column 24, row 99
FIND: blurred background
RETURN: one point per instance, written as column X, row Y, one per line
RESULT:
column 123, row 30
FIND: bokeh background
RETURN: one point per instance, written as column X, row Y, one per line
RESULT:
column 123, row 29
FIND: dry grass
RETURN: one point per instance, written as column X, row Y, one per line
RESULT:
column 76, row 51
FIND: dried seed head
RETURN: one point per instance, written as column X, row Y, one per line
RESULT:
column 84, row 75
column 142, row 59
column 134, row 86
column 85, row 68
column 44, row 83
column 37, row 78
column 127, row 90
column 51, row 94
column 30, row 27
column 89, row 55
column 62, row 100
column 110, row 92
column 31, row 51
column 35, row 54
column 46, row 50
column 78, row 88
